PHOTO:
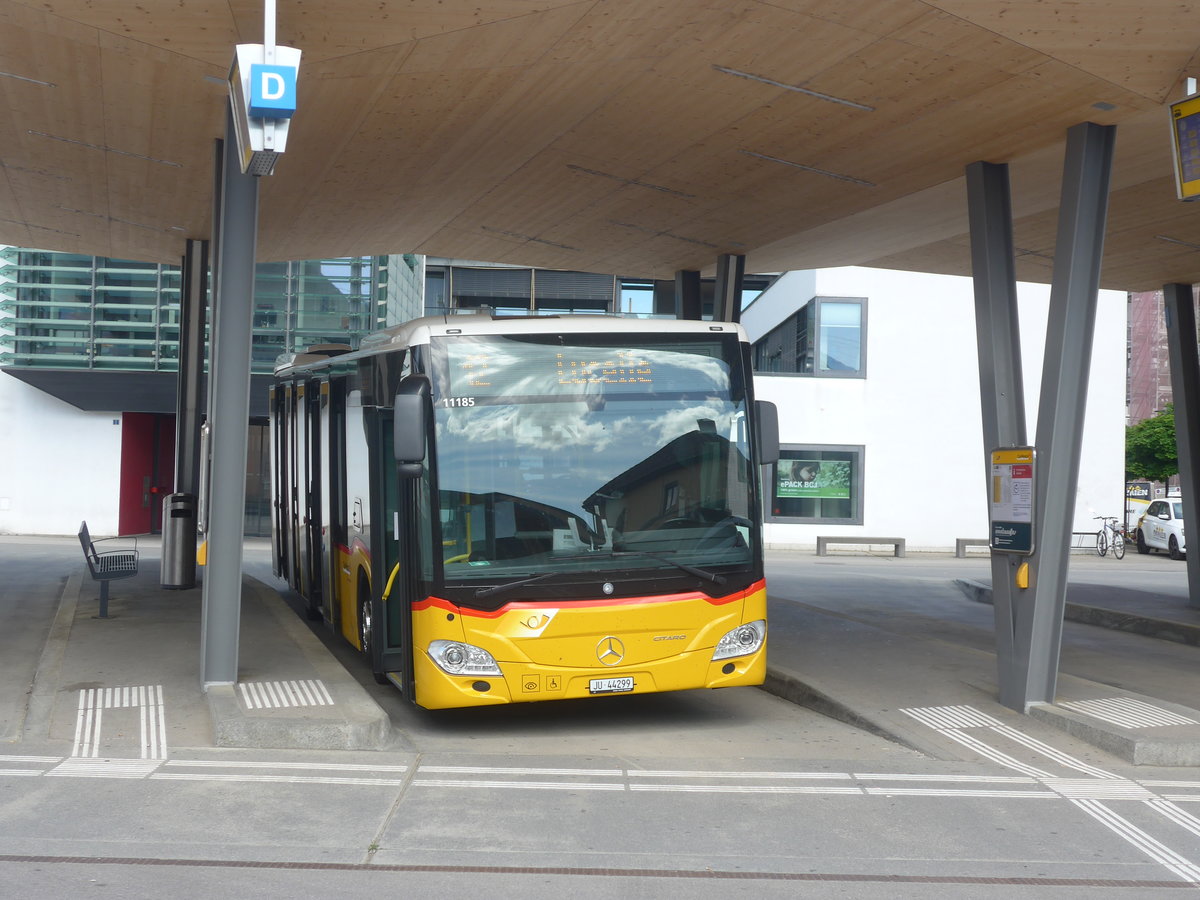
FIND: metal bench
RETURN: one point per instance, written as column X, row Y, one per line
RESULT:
column 824, row 542
column 961, row 545
column 108, row 565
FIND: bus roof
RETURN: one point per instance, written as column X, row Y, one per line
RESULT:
column 419, row 331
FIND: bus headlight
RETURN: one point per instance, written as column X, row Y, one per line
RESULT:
column 742, row 641
column 458, row 658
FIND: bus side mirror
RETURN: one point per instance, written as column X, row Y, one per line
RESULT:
column 767, row 419
column 410, row 425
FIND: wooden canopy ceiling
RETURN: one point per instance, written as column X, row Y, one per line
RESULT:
column 635, row 137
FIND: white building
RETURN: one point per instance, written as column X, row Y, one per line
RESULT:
column 887, row 402
column 61, row 465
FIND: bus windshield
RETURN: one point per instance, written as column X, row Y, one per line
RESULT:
column 605, row 453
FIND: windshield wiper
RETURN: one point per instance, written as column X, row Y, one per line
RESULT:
column 534, row 579
column 691, row 570
column 520, row 582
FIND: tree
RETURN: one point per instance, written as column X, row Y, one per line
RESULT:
column 1150, row 451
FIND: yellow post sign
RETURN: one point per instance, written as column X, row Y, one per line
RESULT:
column 1185, row 142
column 1012, row 500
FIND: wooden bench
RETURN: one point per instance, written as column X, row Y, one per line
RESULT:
column 108, row 565
column 961, row 545
column 824, row 542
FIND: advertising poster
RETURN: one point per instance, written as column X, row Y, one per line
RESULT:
column 824, row 479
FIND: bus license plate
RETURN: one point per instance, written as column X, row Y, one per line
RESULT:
column 610, row 685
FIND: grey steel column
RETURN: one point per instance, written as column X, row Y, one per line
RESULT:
column 1079, row 246
column 1179, row 311
column 214, row 254
column 193, row 300
column 1001, row 386
column 687, row 295
column 229, row 416
column 727, row 297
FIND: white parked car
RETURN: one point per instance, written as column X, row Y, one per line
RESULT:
column 1161, row 528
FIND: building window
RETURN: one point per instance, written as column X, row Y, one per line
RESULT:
column 816, row 483
column 840, row 336
column 825, row 337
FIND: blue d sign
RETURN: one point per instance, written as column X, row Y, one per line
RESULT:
column 272, row 91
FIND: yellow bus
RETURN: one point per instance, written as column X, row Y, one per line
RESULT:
column 513, row 509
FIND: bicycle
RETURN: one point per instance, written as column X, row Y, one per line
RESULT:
column 1104, row 542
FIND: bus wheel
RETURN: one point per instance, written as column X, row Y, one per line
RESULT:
column 366, row 637
column 364, row 626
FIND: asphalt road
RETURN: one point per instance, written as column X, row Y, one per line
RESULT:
column 709, row 794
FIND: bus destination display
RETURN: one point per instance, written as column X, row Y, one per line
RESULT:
column 487, row 368
column 479, row 371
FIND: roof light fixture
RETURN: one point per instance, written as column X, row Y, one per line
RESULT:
column 1171, row 240
column 829, row 98
column 37, row 81
column 65, row 140
column 795, row 165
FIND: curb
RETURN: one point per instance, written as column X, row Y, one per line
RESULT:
column 795, row 689
column 1175, row 746
column 354, row 722
column 1133, row 623
column 39, row 708
column 283, row 729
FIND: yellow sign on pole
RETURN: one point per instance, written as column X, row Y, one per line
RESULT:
column 1185, row 142
column 1012, row 499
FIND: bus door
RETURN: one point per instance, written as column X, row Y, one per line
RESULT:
column 393, row 542
column 409, row 492
column 315, row 395
column 333, row 493
column 287, row 483
column 298, row 458
column 278, row 528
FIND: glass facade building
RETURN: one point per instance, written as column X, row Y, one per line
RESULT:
column 63, row 310
column 70, row 311
column 460, row 286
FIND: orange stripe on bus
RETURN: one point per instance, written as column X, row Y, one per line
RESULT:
column 439, row 603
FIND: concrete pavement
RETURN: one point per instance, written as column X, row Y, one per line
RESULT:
column 103, row 684
column 898, row 646
column 895, row 646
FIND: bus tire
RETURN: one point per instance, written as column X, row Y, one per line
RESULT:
column 364, row 625
column 366, row 634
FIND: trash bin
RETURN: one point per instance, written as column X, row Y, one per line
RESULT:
column 178, row 542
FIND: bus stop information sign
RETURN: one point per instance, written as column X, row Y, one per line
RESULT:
column 1185, row 133
column 1012, row 500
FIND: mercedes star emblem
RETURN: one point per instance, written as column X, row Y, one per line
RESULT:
column 610, row 651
